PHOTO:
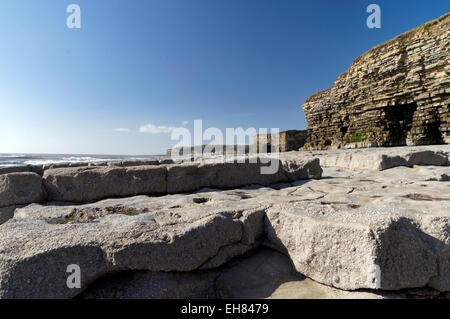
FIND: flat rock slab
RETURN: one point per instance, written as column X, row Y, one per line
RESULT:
column 380, row 247
column 14, row 169
column 20, row 188
column 86, row 184
column 233, row 174
column 35, row 252
column 385, row 158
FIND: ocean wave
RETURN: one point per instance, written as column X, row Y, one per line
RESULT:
column 75, row 159
column 14, row 160
column 43, row 162
column 10, row 163
column 35, row 161
column 12, row 155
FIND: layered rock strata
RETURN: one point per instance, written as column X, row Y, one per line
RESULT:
column 20, row 188
column 264, row 273
column 90, row 183
column 381, row 158
column 398, row 93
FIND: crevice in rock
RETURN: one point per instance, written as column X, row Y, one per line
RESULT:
column 424, row 197
column 200, row 200
column 88, row 215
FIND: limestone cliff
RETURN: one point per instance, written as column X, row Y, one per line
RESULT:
column 291, row 140
column 397, row 93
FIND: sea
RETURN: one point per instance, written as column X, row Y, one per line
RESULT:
column 40, row 159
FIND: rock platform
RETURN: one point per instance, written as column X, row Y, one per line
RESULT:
column 304, row 232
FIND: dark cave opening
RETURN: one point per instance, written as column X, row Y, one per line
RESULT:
column 432, row 134
column 399, row 120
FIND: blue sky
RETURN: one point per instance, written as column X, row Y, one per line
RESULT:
column 233, row 63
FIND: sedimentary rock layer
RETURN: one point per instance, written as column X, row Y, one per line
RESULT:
column 343, row 249
column 35, row 253
column 90, row 183
column 20, row 188
column 39, row 169
column 384, row 158
column 263, row 274
column 286, row 141
column 84, row 184
column 398, row 93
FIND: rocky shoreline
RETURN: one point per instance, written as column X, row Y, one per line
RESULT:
column 331, row 221
column 317, row 227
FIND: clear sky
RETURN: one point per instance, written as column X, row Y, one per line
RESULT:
column 230, row 63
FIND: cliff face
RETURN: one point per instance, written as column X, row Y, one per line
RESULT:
column 397, row 93
column 291, row 140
